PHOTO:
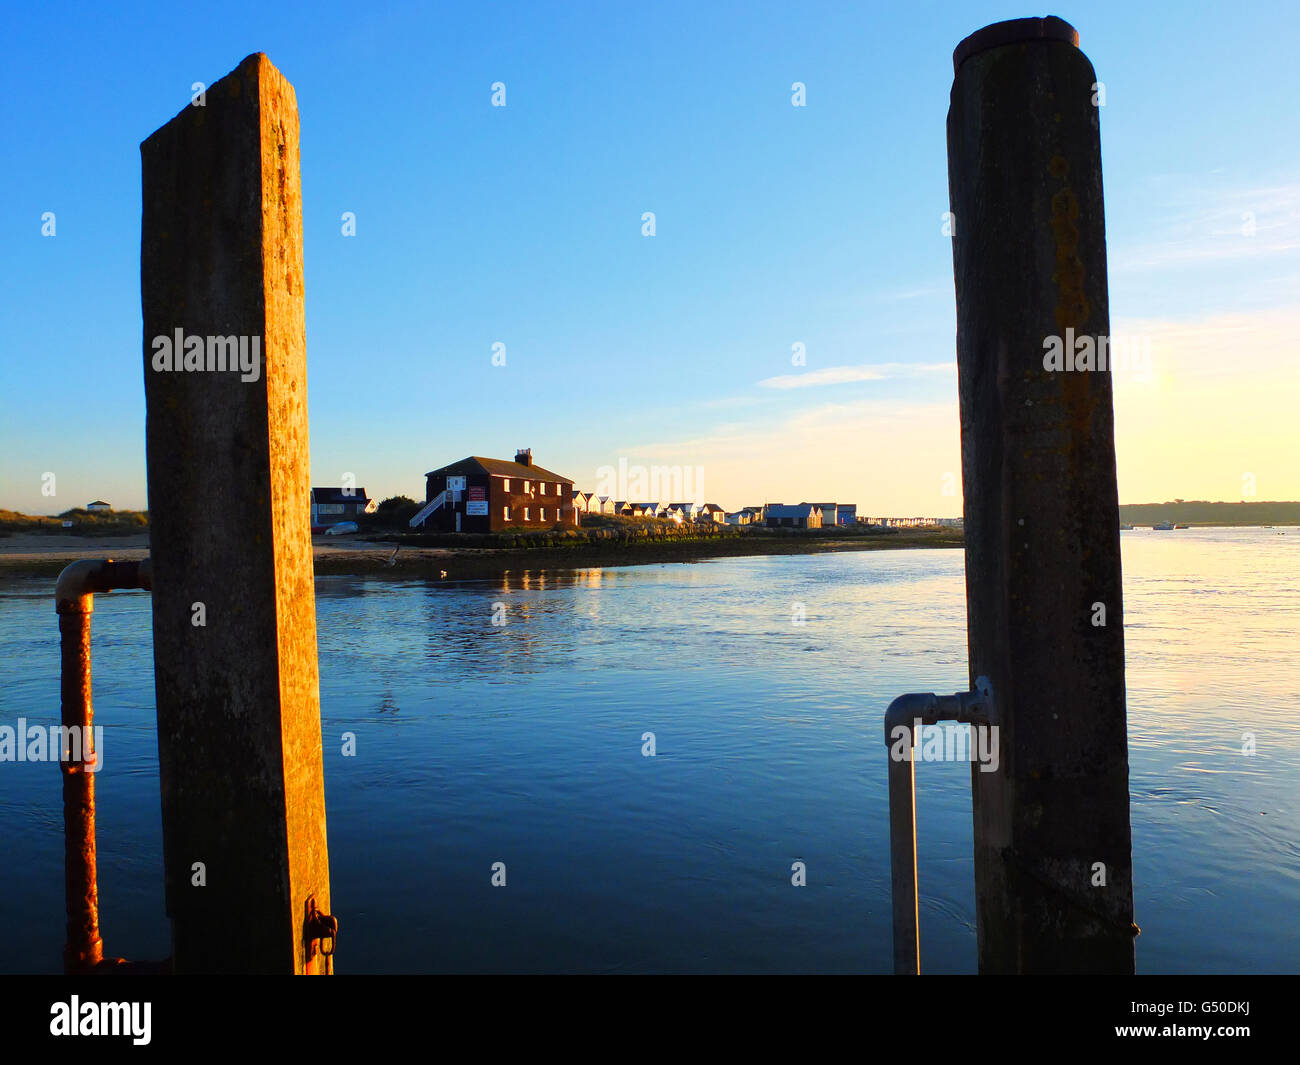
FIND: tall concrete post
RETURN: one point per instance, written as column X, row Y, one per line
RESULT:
column 1053, row 861
column 239, row 737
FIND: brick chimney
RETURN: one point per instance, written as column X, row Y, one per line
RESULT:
column 524, row 456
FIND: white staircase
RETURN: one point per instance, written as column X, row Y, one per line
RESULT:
column 428, row 509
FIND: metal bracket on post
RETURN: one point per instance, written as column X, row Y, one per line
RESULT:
column 320, row 928
column 906, row 714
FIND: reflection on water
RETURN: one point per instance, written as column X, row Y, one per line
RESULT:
column 503, row 720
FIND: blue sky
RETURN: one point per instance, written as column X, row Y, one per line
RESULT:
column 775, row 225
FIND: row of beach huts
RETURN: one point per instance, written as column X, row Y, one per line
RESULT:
column 479, row 494
column 797, row 515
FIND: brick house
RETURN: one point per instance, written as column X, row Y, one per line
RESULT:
column 484, row 495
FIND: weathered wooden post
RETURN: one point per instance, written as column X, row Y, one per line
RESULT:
column 239, row 737
column 1053, row 861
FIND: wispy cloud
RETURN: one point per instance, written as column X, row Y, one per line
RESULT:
column 1214, row 224
column 833, row 375
column 838, row 375
column 828, row 451
column 1218, row 404
column 1256, row 345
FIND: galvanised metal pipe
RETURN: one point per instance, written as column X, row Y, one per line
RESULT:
column 906, row 713
column 74, row 603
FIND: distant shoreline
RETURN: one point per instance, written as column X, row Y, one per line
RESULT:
column 39, row 555
column 45, row 554
column 1203, row 514
column 457, row 563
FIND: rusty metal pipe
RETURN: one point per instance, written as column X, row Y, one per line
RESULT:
column 74, row 603
column 901, row 720
column 89, row 576
column 84, row 948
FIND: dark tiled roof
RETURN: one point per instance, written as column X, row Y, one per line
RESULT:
column 337, row 495
column 499, row 467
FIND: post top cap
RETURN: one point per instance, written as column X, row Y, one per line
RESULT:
column 1014, row 31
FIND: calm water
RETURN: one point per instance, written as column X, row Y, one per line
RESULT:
column 521, row 743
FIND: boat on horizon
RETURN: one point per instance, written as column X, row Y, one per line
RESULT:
column 1163, row 526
